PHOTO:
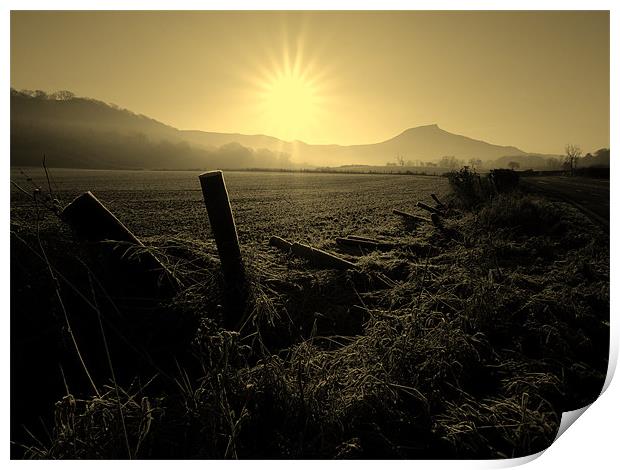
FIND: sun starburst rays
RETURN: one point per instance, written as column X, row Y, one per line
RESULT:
column 289, row 93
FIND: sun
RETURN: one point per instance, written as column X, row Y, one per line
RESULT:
column 290, row 97
column 290, row 102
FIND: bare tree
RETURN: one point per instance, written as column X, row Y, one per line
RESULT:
column 514, row 165
column 450, row 162
column 400, row 160
column 572, row 153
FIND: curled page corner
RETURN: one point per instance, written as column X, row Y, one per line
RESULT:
column 568, row 418
column 611, row 364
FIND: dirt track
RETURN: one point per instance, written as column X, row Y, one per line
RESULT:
column 589, row 195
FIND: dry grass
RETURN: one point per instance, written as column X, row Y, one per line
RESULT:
column 466, row 348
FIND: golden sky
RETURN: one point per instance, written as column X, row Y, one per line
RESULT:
column 536, row 80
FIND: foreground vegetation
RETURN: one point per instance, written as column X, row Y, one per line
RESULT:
column 466, row 342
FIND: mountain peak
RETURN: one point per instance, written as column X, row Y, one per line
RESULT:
column 425, row 128
column 428, row 129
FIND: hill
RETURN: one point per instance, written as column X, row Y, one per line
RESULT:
column 86, row 133
column 432, row 143
column 424, row 143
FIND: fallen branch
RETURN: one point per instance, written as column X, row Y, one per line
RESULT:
column 358, row 237
column 413, row 217
column 428, row 208
column 367, row 243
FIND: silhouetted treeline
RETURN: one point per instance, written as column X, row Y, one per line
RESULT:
column 83, row 133
column 600, row 158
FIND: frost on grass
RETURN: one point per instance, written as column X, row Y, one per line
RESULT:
column 466, row 347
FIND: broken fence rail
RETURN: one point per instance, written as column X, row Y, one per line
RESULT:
column 316, row 256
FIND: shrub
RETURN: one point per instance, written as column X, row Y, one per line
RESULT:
column 468, row 186
column 504, row 180
column 471, row 189
column 522, row 213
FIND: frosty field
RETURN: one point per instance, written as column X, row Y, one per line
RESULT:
column 310, row 207
column 465, row 341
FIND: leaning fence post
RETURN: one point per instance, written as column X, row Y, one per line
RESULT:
column 225, row 233
column 93, row 222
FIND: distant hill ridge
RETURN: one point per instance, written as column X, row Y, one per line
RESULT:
column 83, row 132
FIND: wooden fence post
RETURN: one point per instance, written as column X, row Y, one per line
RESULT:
column 226, row 240
column 440, row 204
column 437, row 221
column 93, row 222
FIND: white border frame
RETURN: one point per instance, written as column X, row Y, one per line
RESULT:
column 590, row 443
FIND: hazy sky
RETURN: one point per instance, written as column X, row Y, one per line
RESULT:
column 536, row 80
